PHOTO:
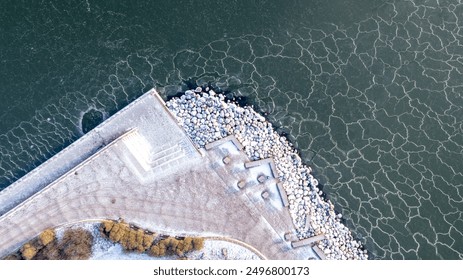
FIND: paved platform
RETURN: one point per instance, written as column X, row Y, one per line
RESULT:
column 142, row 167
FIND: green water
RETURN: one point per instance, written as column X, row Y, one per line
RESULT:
column 369, row 91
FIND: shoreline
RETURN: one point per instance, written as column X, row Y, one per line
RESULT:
column 207, row 116
column 197, row 119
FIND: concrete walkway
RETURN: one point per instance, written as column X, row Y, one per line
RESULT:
column 152, row 175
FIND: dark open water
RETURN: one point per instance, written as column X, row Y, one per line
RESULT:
column 370, row 91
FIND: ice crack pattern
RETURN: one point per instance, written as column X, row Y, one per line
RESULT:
column 376, row 108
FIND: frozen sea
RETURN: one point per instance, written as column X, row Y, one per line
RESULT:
column 370, row 92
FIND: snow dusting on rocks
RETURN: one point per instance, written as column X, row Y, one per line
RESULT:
column 207, row 117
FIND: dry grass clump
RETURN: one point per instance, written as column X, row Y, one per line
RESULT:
column 172, row 246
column 46, row 237
column 28, row 251
column 131, row 239
column 134, row 239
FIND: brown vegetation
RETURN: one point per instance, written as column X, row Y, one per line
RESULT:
column 130, row 238
column 107, row 225
column 28, row 251
column 13, row 257
column 76, row 244
column 46, row 237
column 133, row 239
column 198, row 243
column 49, row 252
column 172, row 246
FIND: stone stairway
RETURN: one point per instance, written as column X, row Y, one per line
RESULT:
column 166, row 157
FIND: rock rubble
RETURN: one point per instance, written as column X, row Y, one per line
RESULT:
column 207, row 117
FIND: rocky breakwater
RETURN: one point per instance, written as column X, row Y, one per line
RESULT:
column 207, row 117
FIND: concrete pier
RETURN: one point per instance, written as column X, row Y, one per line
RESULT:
column 141, row 166
column 141, row 114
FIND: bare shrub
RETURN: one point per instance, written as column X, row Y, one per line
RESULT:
column 107, row 225
column 46, row 237
column 132, row 239
column 49, row 252
column 28, row 251
column 155, row 251
column 198, row 243
column 148, row 240
column 76, row 244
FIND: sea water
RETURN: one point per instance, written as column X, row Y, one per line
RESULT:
column 370, row 92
